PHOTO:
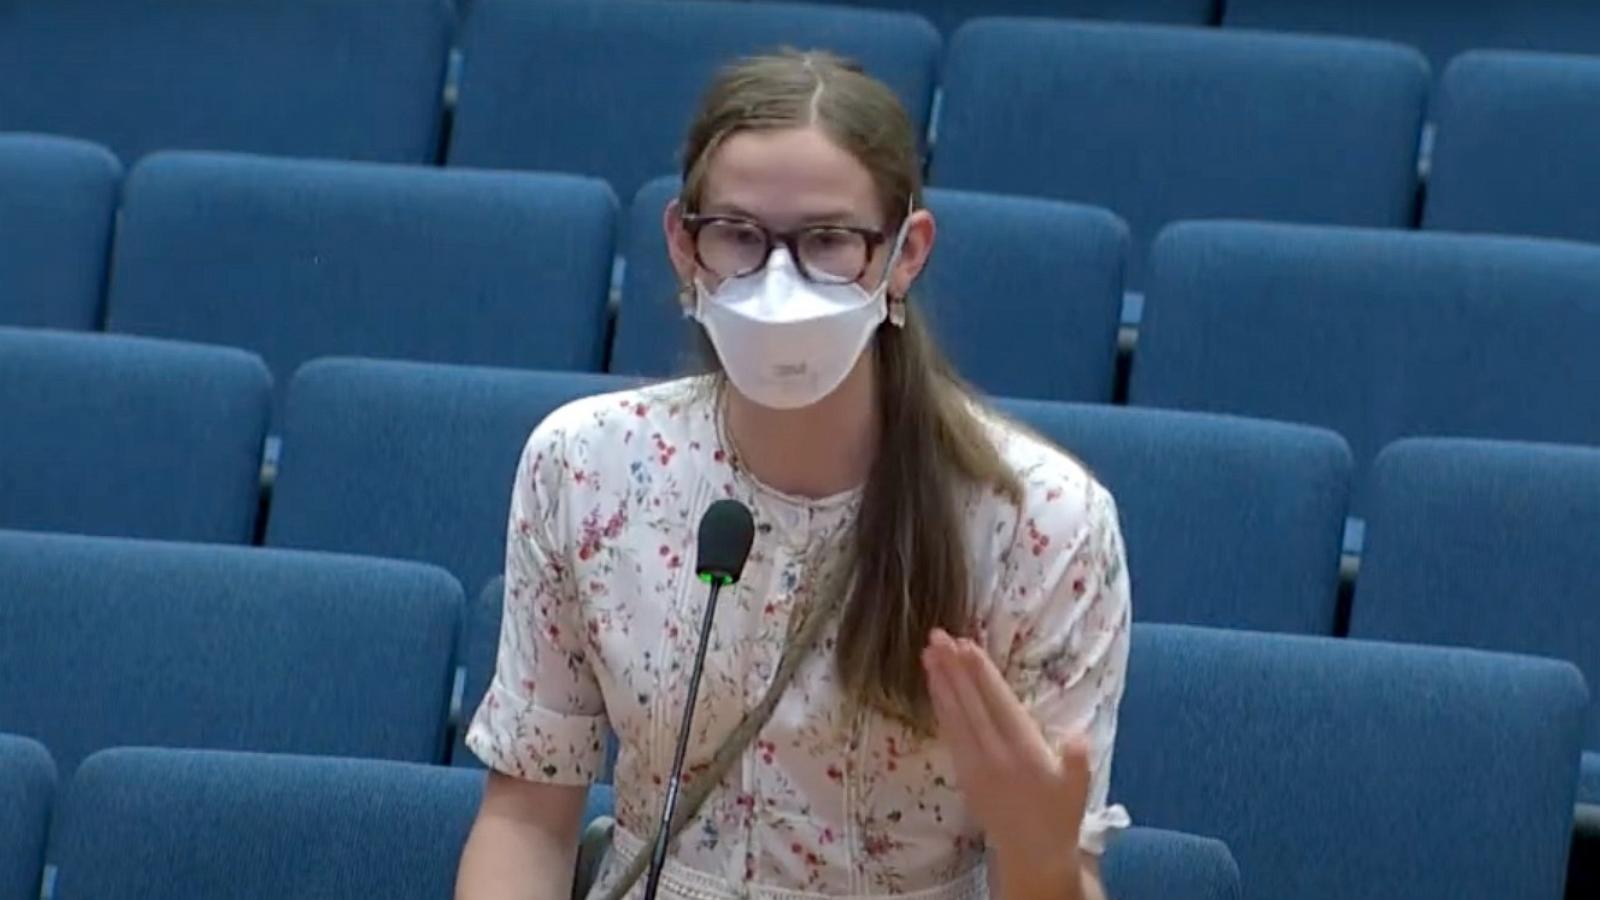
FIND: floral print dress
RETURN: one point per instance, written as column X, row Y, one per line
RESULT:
column 602, row 612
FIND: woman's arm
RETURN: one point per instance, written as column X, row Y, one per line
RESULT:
column 524, row 842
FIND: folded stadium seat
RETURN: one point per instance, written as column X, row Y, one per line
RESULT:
column 1152, row 864
column 27, row 784
column 297, row 260
column 949, row 14
column 1518, row 140
column 410, row 460
column 1338, row 768
column 107, row 642
column 331, row 78
column 642, row 66
column 1487, row 544
column 1023, row 293
column 57, row 201
column 1229, row 522
column 139, row 822
column 1375, row 334
column 1160, row 123
column 134, row 437
column 1440, row 28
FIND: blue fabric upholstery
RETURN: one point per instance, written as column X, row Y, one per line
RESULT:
column 1441, row 28
column 1375, row 334
column 1589, row 780
column 174, row 823
column 332, row 78
column 1339, row 768
column 114, row 642
column 57, row 200
column 949, row 14
column 410, row 461
column 1023, row 293
column 1485, row 544
column 27, row 785
column 1229, row 522
column 607, row 88
column 1518, row 137
column 304, row 259
column 1160, row 123
column 1151, row 864
column 127, row 436
column 141, row 822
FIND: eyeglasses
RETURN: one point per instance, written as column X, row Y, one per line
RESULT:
column 732, row 247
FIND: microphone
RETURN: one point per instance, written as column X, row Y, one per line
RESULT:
column 726, row 532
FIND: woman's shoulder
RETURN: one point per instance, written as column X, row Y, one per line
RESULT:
column 612, row 424
column 1061, row 498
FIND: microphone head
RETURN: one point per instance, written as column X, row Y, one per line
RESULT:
column 726, row 532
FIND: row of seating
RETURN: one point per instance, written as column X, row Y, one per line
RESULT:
column 1331, row 768
column 1157, row 123
column 1439, row 29
column 143, row 822
column 1229, row 522
column 1377, row 334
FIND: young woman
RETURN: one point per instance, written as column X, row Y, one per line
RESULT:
column 939, row 596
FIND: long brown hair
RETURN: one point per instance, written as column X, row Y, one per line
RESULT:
column 908, row 556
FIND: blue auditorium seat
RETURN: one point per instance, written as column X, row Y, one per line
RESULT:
column 1229, row 522
column 1162, row 123
column 608, row 88
column 1023, row 293
column 1518, row 140
column 103, row 434
column 1486, row 544
column 1339, row 768
column 27, row 785
column 107, row 642
column 330, row 78
column 1152, row 864
column 949, row 14
column 1375, row 334
column 1440, row 28
column 173, row 823
column 411, row 461
column 57, row 201
column 297, row 260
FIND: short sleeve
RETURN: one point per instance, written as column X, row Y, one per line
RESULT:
column 1071, row 654
column 543, row 717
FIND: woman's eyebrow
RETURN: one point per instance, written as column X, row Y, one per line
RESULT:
column 843, row 217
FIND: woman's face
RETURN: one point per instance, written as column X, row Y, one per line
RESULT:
column 793, row 178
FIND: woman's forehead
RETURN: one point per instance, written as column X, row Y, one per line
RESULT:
column 788, row 177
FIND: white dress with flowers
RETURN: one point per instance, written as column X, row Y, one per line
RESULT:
column 602, row 611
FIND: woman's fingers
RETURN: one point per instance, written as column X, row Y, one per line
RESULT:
column 965, row 693
column 954, row 729
column 1010, row 718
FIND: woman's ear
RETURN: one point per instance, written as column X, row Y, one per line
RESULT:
column 680, row 244
column 920, row 233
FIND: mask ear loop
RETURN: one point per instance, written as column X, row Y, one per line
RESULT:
column 897, row 306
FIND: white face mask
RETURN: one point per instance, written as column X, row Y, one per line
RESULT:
column 786, row 342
